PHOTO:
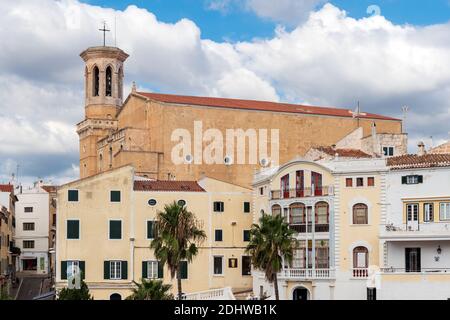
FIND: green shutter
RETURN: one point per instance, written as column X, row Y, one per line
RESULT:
column 72, row 195
column 124, row 270
column 115, row 196
column 63, row 270
column 106, row 270
column 73, row 229
column 115, row 230
column 144, row 270
column 184, row 269
column 246, row 235
column 246, row 207
column 160, row 270
column 150, row 230
column 82, row 266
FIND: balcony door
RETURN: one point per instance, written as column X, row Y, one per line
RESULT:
column 300, row 184
column 413, row 260
column 412, row 217
column 316, row 183
column 285, row 186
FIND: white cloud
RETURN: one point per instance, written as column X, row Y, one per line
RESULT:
column 330, row 59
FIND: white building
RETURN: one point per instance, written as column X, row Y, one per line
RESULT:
column 32, row 230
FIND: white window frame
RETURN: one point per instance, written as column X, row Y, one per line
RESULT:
column 109, row 229
column 223, row 266
column 386, row 150
column 413, row 179
column 74, row 266
column 68, row 195
column 152, row 269
column 79, row 228
column 114, row 270
column 427, row 211
column 444, row 206
column 110, row 194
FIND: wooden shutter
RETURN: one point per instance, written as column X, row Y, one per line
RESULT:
column 246, row 207
column 150, row 230
column 420, row 179
column 106, row 270
column 124, row 270
column 115, row 229
column 160, row 270
column 184, row 269
column 144, row 270
column 82, row 266
column 63, row 270
column 404, row 180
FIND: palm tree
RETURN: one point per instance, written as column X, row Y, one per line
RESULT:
column 151, row 290
column 175, row 241
column 270, row 242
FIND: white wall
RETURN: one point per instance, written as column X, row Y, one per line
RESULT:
column 428, row 252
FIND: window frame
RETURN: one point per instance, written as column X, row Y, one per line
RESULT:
column 247, row 205
column 221, row 257
column 353, row 214
column 111, row 262
column 72, row 263
column 216, row 233
column 387, row 149
column 153, row 227
column 447, row 206
column 244, row 232
column 111, row 196
column 360, row 179
column 28, row 211
column 148, row 269
column 67, row 229
column 249, row 264
column 28, row 241
column 109, row 229
column 371, row 182
column 29, row 224
column 73, row 190
column 221, row 206
column 429, row 214
column 349, row 182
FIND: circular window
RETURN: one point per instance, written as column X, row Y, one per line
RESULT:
column 181, row 203
column 188, row 159
column 228, row 160
column 264, row 162
column 152, row 202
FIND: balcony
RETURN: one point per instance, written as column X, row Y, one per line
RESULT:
column 360, row 273
column 419, row 231
column 304, row 228
column 306, row 274
column 423, row 271
column 302, row 193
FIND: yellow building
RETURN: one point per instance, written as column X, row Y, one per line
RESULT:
column 104, row 227
column 335, row 208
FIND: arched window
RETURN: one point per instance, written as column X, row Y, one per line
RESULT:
column 360, row 214
column 115, row 297
column 360, row 262
column 96, row 81
column 322, row 213
column 108, row 82
column 297, row 213
column 276, row 210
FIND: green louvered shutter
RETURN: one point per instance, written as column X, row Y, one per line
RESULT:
column 144, row 270
column 124, row 270
column 63, row 270
column 106, row 270
column 184, row 269
column 150, row 230
column 160, row 270
column 82, row 265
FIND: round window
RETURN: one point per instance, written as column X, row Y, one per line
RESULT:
column 228, row 160
column 181, row 203
column 152, row 202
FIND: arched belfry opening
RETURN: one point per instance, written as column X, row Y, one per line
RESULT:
column 96, row 81
column 109, row 81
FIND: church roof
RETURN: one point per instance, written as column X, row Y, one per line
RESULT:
column 171, row 186
column 258, row 105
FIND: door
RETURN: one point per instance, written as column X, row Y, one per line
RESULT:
column 316, row 184
column 300, row 184
column 29, row 264
column 413, row 260
column 300, row 294
column 285, row 186
column 412, row 217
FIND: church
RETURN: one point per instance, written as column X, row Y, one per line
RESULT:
column 138, row 130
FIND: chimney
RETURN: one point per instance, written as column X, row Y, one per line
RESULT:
column 421, row 151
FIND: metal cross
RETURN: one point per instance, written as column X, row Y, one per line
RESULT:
column 104, row 30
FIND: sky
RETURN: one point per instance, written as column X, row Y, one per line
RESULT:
column 385, row 54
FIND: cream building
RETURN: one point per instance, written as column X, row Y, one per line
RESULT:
column 105, row 227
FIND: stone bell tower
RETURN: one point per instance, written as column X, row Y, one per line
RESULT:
column 103, row 99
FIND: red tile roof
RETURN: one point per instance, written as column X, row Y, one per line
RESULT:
column 258, row 105
column 345, row 153
column 6, row 188
column 173, row 186
column 415, row 161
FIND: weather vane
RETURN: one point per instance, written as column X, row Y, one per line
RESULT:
column 104, row 30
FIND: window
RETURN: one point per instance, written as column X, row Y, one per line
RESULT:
column 360, row 182
column 152, row 270
column 232, row 263
column 73, row 267
column 115, row 196
column 28, row 244
column 371, row 294
column 371, row 182
column 413, row 260
column 444, row 212
column 115, row 229
column 349, row 182
column 73, row 195
column 218, row 265
column 28, row 209
column 246, row 207
column 115, row 270
column 108, row 82
column 218, row 206
column 28, row 226
column 360, row 214
column 428, row 212
column 412, row 179
column 151, row 229
column 96, row 84
column 360, row 257
column 181, row 203
column 276, row 210
column 322, row 213
column 184, row 270
column 246, row 235
column 73, row 229
column 261, row 191
column 388, row 151
column 246, row 266
column 218, row 235
column 152, row 202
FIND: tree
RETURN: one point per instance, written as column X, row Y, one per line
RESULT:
column 270, row 242
column 176, row 239
column 151, row 290
column 75, row 294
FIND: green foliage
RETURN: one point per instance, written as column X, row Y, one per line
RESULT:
column 151, row 290
column 270, row 241
column 75, row 294
column 4, row 294
column 176, row 239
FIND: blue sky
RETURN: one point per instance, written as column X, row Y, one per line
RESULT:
column 238, row 24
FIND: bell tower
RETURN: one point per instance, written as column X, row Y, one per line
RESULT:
column 103, row 85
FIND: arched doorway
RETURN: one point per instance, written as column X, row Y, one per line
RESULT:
column 115, row 297
column 300, row 294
